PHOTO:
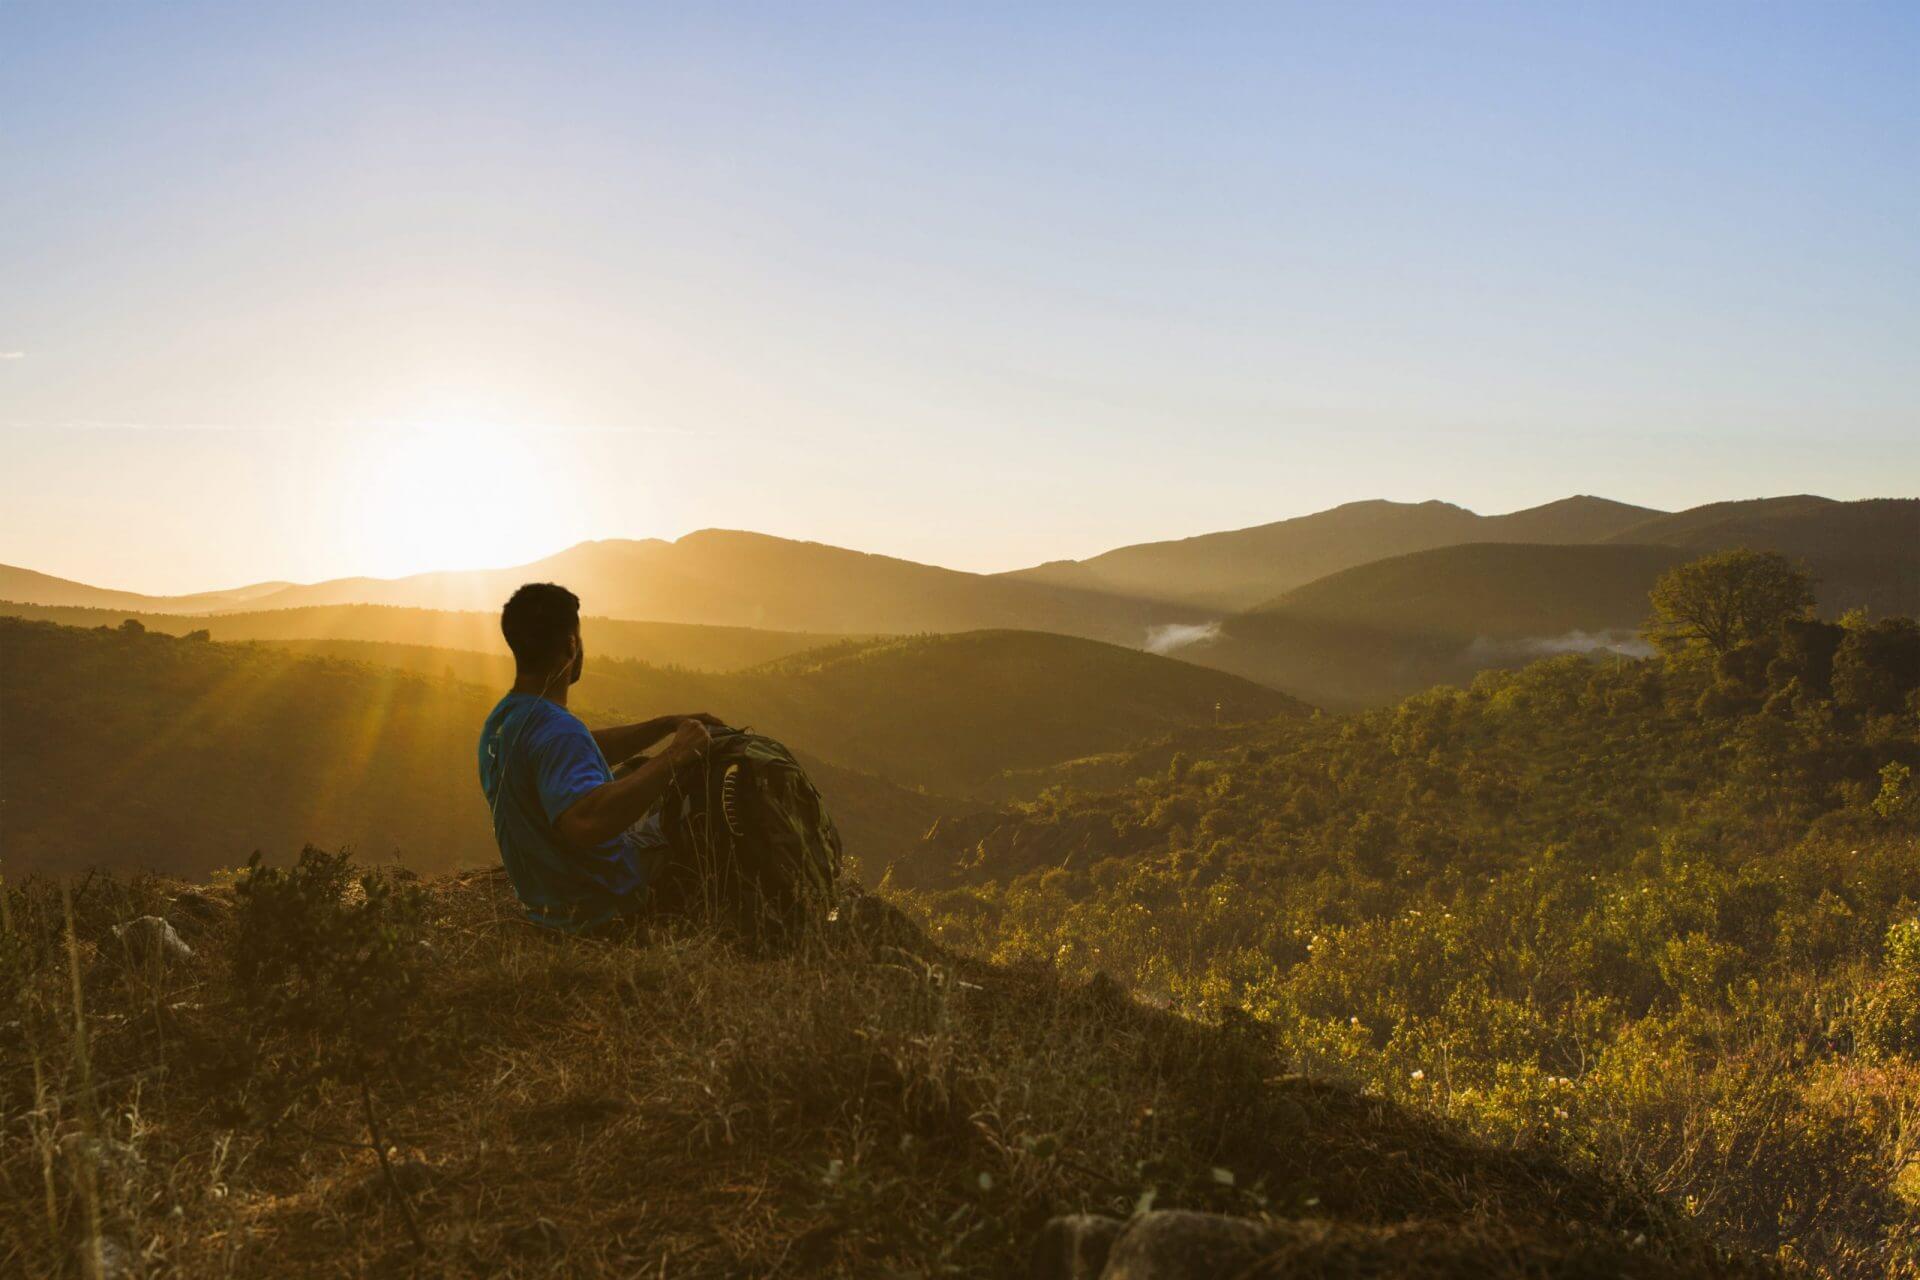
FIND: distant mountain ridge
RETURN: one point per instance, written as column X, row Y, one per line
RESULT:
column 712, row 577
column 1390, row 627
column 28, row 586
column 1241, row 568
column 1865, row 553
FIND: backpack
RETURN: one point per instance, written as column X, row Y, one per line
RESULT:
column 752, row 844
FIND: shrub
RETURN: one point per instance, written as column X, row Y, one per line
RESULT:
column 327, row 967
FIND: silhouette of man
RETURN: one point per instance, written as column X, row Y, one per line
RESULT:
column 581, row 846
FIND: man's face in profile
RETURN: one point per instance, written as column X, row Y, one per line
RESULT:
column 579, row 659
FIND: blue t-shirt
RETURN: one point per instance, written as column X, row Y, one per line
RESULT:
column 536, row 759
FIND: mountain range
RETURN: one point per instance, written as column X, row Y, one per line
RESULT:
column 1357, row 604
column 1242, row 568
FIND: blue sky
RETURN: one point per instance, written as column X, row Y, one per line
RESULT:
column 299, row 291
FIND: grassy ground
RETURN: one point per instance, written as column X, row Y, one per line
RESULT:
column 674, row 1108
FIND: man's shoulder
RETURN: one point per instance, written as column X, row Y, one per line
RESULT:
column 550, row 722
column 532, row 719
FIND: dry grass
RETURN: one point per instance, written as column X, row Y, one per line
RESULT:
column 673, row 1108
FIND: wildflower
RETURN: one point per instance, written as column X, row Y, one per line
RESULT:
column 1419, row 1075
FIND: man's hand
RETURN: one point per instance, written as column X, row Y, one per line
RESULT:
column 690, row 740
column 621, row 742
column 611, row 808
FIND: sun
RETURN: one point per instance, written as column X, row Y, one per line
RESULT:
column 422, row 496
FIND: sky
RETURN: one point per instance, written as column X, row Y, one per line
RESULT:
column 302, row 291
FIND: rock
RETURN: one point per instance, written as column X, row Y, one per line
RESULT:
column 874, row 922
column 541, row 1236
column 110, row 1162
column 198, row 904
column 1075, row 1247
column 106, row 1258
column 413, row 1177
column 1103, row 990
column 149, row 938
column 1175, row 1244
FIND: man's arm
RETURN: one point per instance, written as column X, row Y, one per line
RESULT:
column 624, row 740
column 607, row 810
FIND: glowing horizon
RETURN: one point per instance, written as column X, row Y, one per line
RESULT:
column 299, row 295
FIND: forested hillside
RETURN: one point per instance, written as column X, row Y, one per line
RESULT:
column 1659, row 915
column 1383, row 630
column 125, row 748
column 946, row 712
column 1379, row 631
column 662, row 644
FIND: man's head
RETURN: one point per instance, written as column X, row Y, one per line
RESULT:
column 542, row 626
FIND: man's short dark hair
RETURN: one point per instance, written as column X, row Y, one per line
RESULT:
column 537, row 621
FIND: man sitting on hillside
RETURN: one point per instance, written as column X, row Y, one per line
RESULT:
column 581, row 846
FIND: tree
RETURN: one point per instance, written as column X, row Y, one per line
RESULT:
column 1878, row 665
column 1726, row 600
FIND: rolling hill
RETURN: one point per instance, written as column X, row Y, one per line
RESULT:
column 1491, row 590
column 1380, row 631
column 667, row 644
column 1335, row 607
column 132, row 749
column 30, row 587
column 948, row 712
column 715, row 577
column 1863, row 553
column 1241, row 568
column 1388, row 628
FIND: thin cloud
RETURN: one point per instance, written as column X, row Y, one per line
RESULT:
column 94, row 425
column 13, row 355
column 347, row 429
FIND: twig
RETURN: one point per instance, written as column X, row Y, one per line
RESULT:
column 386, row 1167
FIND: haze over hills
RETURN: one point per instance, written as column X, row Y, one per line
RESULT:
column 1389, row 628
column 734, row 578
column 136, row 750
column 1865, row 552
column 664, row 644
column 188, row 755
column 31, row 587
column 1489, row 590
column 1241, row 568
column 944, row 712
column 1367, row 629
column 713, row 577
column 730, row 577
